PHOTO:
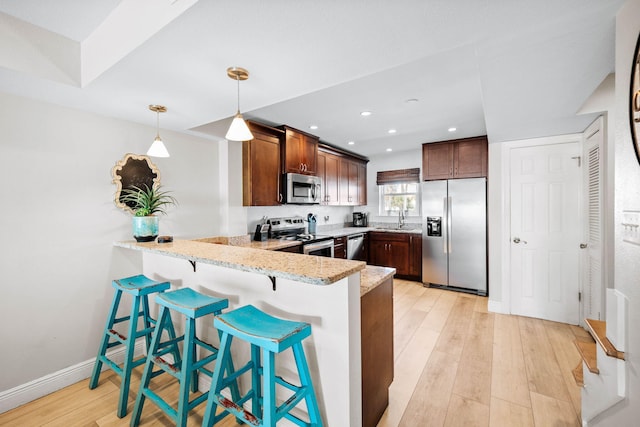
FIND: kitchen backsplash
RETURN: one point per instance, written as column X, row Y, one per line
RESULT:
column 329, row 217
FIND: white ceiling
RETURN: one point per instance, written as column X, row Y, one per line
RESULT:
column 510, row 69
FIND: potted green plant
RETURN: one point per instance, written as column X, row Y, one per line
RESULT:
column 146, row 203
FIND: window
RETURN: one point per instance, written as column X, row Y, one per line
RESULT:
column 400, row 196
column 399, row 190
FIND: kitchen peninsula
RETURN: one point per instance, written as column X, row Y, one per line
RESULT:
column 324, row 292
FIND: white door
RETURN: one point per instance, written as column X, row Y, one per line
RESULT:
column 545, row 231
column 591, row 259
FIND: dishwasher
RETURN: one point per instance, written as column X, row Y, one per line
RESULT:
column 355, row 246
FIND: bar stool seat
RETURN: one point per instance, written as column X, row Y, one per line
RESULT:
column 139, row 287
column 268, row 336
column 185, row 368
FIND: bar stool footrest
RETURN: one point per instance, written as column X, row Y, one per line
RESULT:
column 170, row 368
column 226, row 381
column 287, row 384
column 204, row 361
column 121, row 339
column 155, row 398
column 287, row 406
column 237, row 411
column 112, row 365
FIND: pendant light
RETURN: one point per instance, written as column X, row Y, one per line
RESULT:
column 158, row 149
column 238, row 131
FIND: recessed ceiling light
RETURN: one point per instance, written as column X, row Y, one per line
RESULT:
column 365, row 113
column 411, row 100
column 389, row 149
column 452, row 129
column 391, row 131
column 313, row 127
column 350, row 142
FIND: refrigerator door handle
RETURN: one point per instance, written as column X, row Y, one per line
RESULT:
column 445, row 226
column 449, row 238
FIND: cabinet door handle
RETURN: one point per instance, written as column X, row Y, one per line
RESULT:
column 280, row 198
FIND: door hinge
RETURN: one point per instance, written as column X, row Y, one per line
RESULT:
column 578, row 158
column 579, row 296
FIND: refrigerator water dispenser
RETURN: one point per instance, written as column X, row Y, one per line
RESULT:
column 434, row 226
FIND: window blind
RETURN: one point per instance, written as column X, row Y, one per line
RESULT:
column 398, row 175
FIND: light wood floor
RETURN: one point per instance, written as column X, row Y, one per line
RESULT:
column 458, row 365
column 455, row 365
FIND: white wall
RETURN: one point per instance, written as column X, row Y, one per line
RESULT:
column 58, row 222
column 627, row 196
column 389, row 161
column 495, row 223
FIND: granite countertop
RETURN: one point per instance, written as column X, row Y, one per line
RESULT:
column 372, row 276
column 246, row 242
column 303, row 268
column 347, row 231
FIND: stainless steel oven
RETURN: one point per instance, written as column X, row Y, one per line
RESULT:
column 321, row 248
column 293, row 228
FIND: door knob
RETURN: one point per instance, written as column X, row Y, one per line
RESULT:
column 517, row 240
column 583, row 245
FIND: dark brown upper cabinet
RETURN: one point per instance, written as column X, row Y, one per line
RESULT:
column 261, row 167
column 460, row 158
column 299, row 153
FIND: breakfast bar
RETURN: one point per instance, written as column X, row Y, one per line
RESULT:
column 324, row 292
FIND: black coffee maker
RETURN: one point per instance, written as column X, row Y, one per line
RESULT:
column 360, row 219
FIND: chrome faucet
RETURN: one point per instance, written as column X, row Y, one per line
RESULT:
column 401, row 218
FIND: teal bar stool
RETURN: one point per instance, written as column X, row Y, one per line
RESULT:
column 185, row 369
column 139, row 287
column 267, row 335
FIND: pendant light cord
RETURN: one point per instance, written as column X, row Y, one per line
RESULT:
column 157, row 124
column 238, row 81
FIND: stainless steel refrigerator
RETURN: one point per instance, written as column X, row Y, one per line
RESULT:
column 454, row 234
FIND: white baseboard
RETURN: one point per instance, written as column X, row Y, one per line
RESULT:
column 39, row 387
column 496, row 307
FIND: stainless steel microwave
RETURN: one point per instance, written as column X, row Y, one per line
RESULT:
column 302, row 189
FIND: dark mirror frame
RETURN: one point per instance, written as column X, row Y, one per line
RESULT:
column 634, row 100
column 133, row 171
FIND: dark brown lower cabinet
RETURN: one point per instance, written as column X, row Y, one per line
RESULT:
column 340, row 247
column 402, row 251
column 415, row 257
column 376, row 314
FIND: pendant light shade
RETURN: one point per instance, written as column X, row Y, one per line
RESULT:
column 238, row 131
column 158, row 149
